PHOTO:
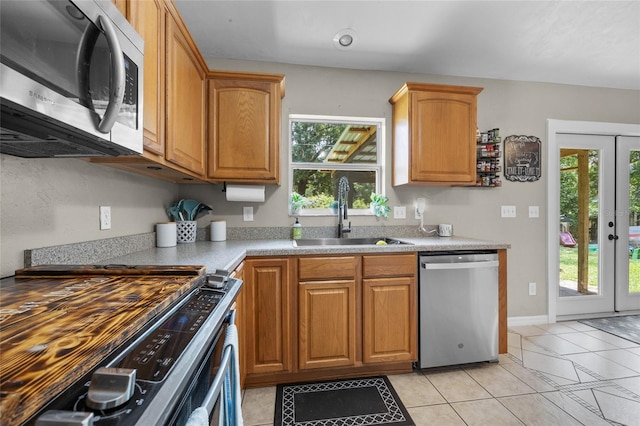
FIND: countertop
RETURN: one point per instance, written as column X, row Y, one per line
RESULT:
column 226, row 255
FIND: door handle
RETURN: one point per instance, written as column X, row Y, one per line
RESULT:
column 612, row 237
column 116, row 95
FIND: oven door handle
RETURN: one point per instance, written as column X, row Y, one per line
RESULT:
column 219, row 379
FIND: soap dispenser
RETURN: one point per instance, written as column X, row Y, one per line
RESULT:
column 297, row 230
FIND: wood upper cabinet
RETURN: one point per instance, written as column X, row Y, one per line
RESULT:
column 244, row 127
column 173, row 97
column 267, row 315
column 122, row 6
column 389, row 308
column 434, row 128
column 148, row 18
column 185, row 113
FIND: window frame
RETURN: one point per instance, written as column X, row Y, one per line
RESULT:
column 377, row 167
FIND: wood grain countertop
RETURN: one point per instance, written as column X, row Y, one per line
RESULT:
column 58, row 323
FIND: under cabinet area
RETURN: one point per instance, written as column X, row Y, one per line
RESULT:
column 433, row 130
column 350, row 315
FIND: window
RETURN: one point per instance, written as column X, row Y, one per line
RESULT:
column 324, row 149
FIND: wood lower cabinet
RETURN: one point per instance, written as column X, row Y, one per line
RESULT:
column 244, row 127
column 434, row 133
column 240, row 321
column 306, row 317
column 267, row 315
column 389, row 319
column 389, row 308
column 326, row 324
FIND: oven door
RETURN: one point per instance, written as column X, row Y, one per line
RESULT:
column 213, row 395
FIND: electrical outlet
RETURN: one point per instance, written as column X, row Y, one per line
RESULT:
column 421, row 205
column 532, row 289
column 534, row 211
column 105, row 217
column 247, row 214
column 399, row 212
column 508, row 211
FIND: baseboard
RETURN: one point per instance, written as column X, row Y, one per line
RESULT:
column 517, row 321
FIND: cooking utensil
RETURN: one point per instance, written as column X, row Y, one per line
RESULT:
column 190, row 208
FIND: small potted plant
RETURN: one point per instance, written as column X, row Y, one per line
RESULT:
column 334, row 206
column 297, row 202
column 379, row 206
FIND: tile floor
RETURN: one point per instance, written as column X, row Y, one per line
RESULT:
column 556, row 374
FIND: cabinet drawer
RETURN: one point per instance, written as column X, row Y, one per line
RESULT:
column 391, row 265
column 326, row 267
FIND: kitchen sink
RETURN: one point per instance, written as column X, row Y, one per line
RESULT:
column 310, row 242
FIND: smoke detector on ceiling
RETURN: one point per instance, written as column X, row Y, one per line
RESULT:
column 344, row 39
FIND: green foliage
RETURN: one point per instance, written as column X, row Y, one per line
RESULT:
column 379, row 204
column 297, row 201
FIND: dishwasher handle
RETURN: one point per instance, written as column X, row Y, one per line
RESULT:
column 460, row 265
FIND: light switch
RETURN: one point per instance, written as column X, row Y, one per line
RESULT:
column 534, row 211
column 399, row 212
column 247, row 214
column 508, row 211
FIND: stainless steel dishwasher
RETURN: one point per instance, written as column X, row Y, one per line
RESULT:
column 458, row 307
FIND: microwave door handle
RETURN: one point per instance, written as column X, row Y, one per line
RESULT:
column 116, row 95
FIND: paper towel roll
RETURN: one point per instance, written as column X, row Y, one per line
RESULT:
column 218, row 230
column 249, row 193
column 166, row 234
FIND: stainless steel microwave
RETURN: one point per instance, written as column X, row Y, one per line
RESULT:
column 71, row 79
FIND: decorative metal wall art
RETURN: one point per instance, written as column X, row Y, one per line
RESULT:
column 522, row 158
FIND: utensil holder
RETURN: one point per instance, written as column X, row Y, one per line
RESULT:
column 186, row 230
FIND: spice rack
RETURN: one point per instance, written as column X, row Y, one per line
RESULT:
column 488, row 166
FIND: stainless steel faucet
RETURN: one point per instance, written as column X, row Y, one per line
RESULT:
column 343, row 197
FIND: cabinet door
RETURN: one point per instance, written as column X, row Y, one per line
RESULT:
column 326, row 324
column 185, row 137
column 240, row 322
column 147, row 17
column 122, row 6
column 389, row 323
column 244, row 131
column 443, row 127
column 267, row 309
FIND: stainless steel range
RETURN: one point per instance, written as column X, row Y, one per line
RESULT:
column 134, row 346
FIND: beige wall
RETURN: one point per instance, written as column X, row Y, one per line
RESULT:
column 51, row 202
column 47, row 202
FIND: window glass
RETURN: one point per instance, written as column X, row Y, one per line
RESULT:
column 325, row 149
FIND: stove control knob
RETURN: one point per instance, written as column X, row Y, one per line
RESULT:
column 65, row 418
column 111, row 387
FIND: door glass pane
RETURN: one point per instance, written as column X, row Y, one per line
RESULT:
column 634, row 221
column 579, row 220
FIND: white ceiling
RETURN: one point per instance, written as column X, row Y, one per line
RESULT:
column 591, row 43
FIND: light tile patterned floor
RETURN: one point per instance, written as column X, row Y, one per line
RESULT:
column 556, row 374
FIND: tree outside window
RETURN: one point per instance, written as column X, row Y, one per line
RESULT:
column 324, row 149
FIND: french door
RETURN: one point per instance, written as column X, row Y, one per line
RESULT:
column 627, row 294
column 598, row 184
column 586, row 255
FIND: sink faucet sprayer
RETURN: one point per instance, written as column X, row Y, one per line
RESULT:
column 343, row 196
